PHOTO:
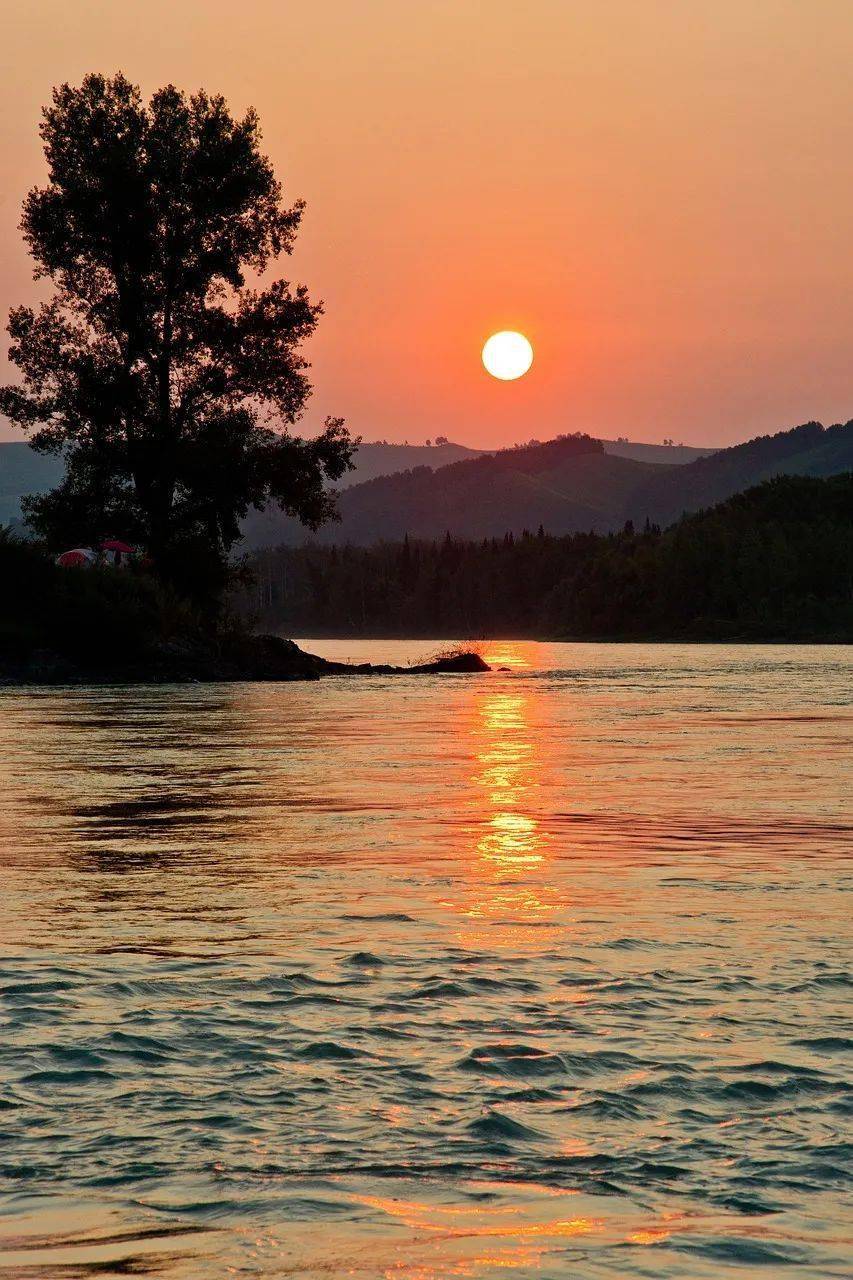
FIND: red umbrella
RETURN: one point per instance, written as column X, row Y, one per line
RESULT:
column 116, row 553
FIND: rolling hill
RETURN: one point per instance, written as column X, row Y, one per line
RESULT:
column 808, row 450
column 668, row 454
column 22, row 471
column 567, row 485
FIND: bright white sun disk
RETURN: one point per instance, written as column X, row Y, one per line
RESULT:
column 507, row 355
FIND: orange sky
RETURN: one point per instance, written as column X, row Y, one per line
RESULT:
column 657, row 192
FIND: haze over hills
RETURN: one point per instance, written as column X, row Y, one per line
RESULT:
column 665, row 453
column 23, row 471
column 381, row 458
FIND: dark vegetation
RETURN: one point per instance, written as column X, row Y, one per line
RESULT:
column 106, row 626
column 149, row 379
column 154, row 369
column 773, row 563
column 58, row 619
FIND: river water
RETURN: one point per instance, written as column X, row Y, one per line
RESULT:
column 542, row 973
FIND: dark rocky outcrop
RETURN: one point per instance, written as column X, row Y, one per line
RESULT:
column 451, row 664
column 235, row 657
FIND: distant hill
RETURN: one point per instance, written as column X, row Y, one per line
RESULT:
column 567, row 485
column 23, row 471
column 374, row 460
column 808, row 450
column 571, row 483
column 379, row 458
column 668, row 454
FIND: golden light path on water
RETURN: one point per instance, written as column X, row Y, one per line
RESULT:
column 510, row 880
column 536, row 973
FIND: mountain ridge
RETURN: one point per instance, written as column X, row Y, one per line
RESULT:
column 567, row 485
column 570, row 483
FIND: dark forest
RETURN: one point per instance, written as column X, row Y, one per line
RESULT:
column 773, row 563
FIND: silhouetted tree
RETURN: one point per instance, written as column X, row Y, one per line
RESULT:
column 155, row 368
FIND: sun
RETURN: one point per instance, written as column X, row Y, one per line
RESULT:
column 507, row 355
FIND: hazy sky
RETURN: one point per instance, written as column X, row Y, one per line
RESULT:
column 657, row 192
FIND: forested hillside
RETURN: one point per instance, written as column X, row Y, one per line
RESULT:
column 773, row 563
column 810, row 449
column 568, row 483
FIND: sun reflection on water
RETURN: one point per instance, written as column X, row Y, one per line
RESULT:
column 228, row 988
column 506, row 770
column 517, row 655
column 508, row 876
column 526, row 1227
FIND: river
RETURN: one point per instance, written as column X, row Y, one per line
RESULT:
column 542, row 972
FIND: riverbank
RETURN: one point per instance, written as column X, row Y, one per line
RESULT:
column 103, row 626
column 233, row 657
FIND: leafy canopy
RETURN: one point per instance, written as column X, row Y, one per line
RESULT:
column 166, row 380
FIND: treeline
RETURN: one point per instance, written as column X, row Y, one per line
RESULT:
column 775, row 563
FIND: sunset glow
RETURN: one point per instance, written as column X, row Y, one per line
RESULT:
column 632, row 184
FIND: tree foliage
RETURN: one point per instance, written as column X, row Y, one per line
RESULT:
column 159, row 366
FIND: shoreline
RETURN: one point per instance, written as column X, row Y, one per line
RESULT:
column 232, row 659
column 499, row 637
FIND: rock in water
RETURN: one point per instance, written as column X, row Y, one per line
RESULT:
column 463, row 662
